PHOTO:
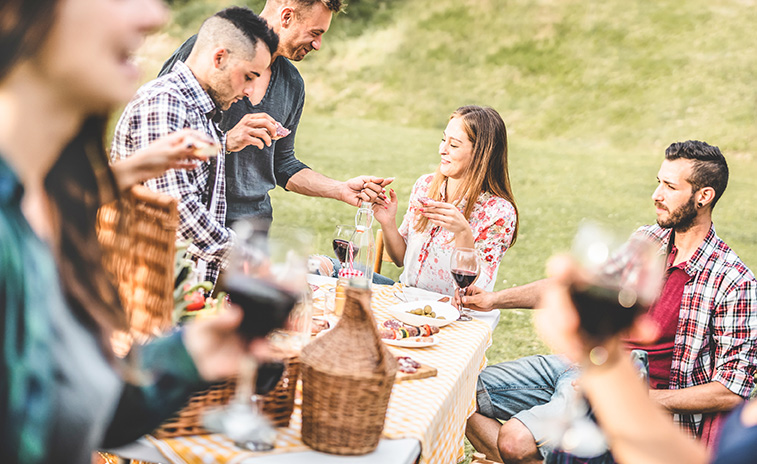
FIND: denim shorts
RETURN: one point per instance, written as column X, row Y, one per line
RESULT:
column 535, row 390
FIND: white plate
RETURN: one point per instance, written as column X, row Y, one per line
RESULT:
column 411, row 342
column 417, row 294
column 445, row 310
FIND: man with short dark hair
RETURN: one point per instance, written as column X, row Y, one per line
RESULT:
column 233, row 50
column 255, row 162
column 704, row 358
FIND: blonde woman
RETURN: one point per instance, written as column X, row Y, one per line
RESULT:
column 467, row 202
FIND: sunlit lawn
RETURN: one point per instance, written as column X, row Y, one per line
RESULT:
column 556, row 185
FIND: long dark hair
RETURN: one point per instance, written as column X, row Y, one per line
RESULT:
column 488, row 171
column 76, row 184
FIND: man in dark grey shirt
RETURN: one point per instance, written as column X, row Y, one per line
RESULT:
column 255, row 163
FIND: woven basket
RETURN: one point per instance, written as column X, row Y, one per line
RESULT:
column 138, row 237
column 277, row 404
column 347, row 378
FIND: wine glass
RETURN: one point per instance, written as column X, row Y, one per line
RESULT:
column 341, row 243
column 265, row 278
column 465, row 268
column 622, row 277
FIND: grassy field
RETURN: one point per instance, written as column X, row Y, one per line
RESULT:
column 591, row 92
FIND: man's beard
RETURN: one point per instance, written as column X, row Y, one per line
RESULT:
column 218, row 100
column 681, row 219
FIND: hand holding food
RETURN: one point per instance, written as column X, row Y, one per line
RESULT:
column 445, row 215
column 257, row 129
column 178, row 150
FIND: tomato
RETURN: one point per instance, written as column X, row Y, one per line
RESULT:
column 196, row 301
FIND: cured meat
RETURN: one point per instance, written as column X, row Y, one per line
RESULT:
column 281, row 132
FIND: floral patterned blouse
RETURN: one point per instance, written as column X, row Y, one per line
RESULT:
column 427, row 258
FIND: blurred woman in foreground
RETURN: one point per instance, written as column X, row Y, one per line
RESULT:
column 637, row 429
column 467, row 202
column 64, row 65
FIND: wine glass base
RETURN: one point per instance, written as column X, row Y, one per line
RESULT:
column 464, row 318
column 255, row 446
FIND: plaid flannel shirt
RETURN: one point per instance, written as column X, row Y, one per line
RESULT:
column 716, row 338
column 160, row 107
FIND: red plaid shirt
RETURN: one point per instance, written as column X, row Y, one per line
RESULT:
column 716, row 339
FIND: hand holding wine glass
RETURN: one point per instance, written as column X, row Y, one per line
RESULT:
column 465, row 269
column 593, row 297
column 265, row 278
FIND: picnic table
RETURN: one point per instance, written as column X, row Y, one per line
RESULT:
column 425, row 419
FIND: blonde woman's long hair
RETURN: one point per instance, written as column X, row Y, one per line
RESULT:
column 488, row 170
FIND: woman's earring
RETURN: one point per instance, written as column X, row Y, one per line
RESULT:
column 699, row 205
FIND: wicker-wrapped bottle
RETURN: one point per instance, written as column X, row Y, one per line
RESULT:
column 347, row 377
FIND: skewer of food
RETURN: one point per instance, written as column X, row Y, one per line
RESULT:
column 393, row 329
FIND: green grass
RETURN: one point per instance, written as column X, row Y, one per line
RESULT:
column 591, row 92
column 555, row 186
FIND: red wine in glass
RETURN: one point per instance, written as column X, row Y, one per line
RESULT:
column 464, row 268
column 266, row 306
column 341, row 249
column 463, row 278
column 604, row 311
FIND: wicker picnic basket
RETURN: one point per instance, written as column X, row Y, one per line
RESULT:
column 278, row 404
column 347, row 378
column 138, row 238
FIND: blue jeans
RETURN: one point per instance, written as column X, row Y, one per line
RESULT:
column 535, row 390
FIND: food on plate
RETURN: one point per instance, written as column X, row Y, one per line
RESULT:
column 395, row 330
column 424, row 340
column 393, row 324
column 281, row 131
column 443, row 299
column 318, row 326
column 408, row 365
column 426, row 311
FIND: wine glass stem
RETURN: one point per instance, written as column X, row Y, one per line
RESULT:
column 247, row 377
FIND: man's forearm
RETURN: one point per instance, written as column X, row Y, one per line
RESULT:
column 523, row 296
column 710, row 397
column 313, row 184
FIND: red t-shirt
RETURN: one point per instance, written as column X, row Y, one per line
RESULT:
column 665, row 313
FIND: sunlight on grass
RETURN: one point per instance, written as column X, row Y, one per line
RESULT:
column 591, row 92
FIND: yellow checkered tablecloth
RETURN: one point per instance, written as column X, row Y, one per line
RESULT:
column 431, row 410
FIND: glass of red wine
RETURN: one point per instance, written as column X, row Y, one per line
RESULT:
column 621, row 277
column 265, row 278
column 341, row 243
column 465, row 268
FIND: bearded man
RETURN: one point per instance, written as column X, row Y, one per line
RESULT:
column 702, row 361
